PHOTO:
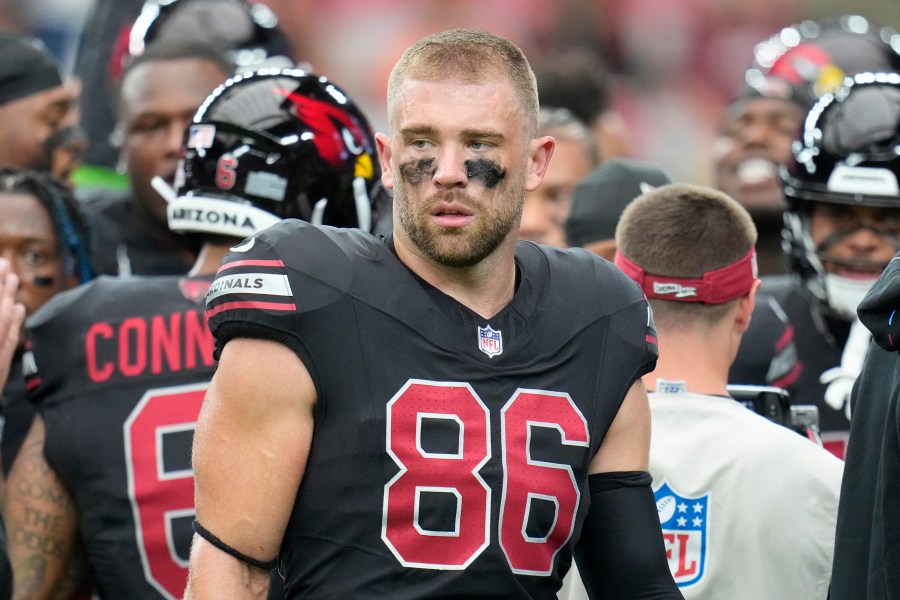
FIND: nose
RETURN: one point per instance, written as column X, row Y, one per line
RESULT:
column 451, row 170
column 865, row 241
column 756, row 133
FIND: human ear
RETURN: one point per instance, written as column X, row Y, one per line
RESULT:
column 540, row 151
column 383, row 143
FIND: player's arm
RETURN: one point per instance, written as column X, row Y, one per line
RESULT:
column 620, row 553
column 41, row 522
column 250, row 448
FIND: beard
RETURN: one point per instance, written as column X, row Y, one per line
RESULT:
column 463, row 247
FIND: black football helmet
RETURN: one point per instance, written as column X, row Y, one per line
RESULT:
column 807, row 60
column 246, row 29
column 847, row 153
column 275, row 144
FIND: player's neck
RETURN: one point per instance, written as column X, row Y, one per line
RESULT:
column 209, row 258
column 697, row 360
column 485, row 288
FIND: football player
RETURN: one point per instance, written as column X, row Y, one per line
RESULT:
column 38, row 110
column 119, row 367
column 440, row 413
column 158, row 94
column 790, row 71
column 866, row 561
column 46, row 243
column 841, row 227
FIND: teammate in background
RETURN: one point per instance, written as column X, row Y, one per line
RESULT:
column 599, row 199
column 38, row 112
column 866, row 557
column 45, row 245
column 842, row 222
column 45, row 241
column 721, row 472
column 436, row 392
column 159, row 92
column 111, row 447
column 546, row 208
column 117, row 30
column 791, row 70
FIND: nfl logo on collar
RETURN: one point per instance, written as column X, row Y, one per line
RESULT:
column 490, row 341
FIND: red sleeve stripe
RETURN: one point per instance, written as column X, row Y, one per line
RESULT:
column 651, row 340
column 251, row 263
column 279, row 306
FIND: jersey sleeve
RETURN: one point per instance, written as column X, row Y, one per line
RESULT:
column 252, row 296
column 277, row 284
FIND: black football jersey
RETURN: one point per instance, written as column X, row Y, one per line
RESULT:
column 118, row 369
column 450, row 452
column 818, row 342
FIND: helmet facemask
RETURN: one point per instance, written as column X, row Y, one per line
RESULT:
column 848, row 155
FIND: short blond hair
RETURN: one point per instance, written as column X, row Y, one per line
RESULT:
column 471, row 55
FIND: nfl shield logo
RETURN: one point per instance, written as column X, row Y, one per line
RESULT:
column 685, row 527
column 489, row 341
column 201, row 136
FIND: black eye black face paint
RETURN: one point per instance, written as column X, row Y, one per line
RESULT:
column 44, row 281
column 416, row 171
column 487, row 171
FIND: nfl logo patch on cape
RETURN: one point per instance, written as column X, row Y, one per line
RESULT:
column 685, row 527
column 490, row 341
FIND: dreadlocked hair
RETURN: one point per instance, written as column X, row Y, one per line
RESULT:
column 71, row 230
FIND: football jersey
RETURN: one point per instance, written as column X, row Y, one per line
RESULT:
column 819, row 342
column 450, row 452
column 118, row 369
column 126, row 242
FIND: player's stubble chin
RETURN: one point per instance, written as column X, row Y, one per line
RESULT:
column 460, row 247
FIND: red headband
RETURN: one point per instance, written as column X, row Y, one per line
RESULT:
column 715, row 287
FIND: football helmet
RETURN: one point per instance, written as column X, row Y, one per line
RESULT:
column 246, row 29
column 847, row 154
column 803, row 62
column 273, row 144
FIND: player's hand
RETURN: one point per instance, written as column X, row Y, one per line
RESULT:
column 12, row 314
